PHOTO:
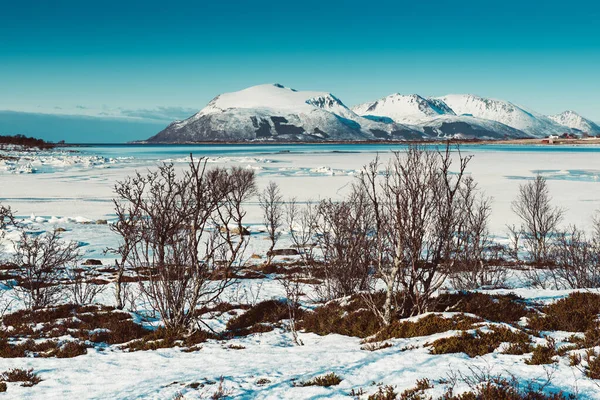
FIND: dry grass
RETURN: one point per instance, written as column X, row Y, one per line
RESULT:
column 330, row 379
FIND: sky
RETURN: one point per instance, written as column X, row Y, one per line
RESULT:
column 144, row 64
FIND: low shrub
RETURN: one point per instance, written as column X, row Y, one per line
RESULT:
column 576, row 313
column 27, row 348
column 518, row 348
column 592, row 369
column 376, row 346
column 417, row 392
column 259, row 318
column 163, row 338
column 543, row 354
column 384, row 393
column 330, row 379
column 425, row 326
column 504, row 389
column 478, row 343
column 3, row 387
column 94, row 323
column 333, row 318
column 71, row 349
column 497, row 308
column 26, row 376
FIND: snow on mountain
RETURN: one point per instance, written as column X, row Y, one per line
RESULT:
column 503, row 112
column 573, row 120
column 404, row 108
column 274, row 112
column 434, row 118
column 467, row 127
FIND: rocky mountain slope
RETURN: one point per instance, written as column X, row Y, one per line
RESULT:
column 273, row 112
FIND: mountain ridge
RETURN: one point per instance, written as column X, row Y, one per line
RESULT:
column 273, row 112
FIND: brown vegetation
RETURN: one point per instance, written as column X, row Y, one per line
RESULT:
column 576, row 313
column 330, row 379
column 479, row 342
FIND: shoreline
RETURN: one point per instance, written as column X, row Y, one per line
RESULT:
column 536, row 141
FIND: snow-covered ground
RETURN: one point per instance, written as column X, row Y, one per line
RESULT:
column 72, row 191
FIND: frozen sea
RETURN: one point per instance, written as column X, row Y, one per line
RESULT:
column 71, row 185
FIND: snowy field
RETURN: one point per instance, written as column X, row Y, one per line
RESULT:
column 72, row 188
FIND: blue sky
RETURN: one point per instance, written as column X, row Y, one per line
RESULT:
column 158, row 61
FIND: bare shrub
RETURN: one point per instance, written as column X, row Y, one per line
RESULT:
column 476, row 257
column 576, row 260
column 6, row 216
column 81, row 287
column 6, row 219
column 416, row 214
column 271, row 203
column 26, row 376
column 302, row 223
column 42, row 260
column 293, row 292
column 538, row 217
column 346, row 245
column 186, row 232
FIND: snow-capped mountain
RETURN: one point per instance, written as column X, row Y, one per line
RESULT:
column 434, row 118
column 404, row 108
column 573, row 120
column 467, row 127
column 274, row 112
column 504, row 112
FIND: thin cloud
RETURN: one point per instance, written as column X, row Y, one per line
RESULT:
column 160, row 113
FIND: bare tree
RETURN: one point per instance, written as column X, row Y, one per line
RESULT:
column 186, row 232
column 271, row 203
column 343, row 236
column 302, row 223
column 125, row 227
column 415, row 206
column 576, row 260
column 291, row 287
column 538, row 217
column 83, row 290
column 514, row 238
column 475, row 255
column 42, row 260
column 6, row 216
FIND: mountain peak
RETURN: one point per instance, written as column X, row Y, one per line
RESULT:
column 573, row 120
column 403, row 108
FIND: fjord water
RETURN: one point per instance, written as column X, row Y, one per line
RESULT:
column 152, row 151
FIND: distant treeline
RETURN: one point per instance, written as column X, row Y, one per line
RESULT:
column 22, row 140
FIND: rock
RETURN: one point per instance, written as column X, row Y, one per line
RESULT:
column 255, row 256
column 60, row 230
column 91, row 261
column 101, row 222
column 282, row 252
column 236, row 231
